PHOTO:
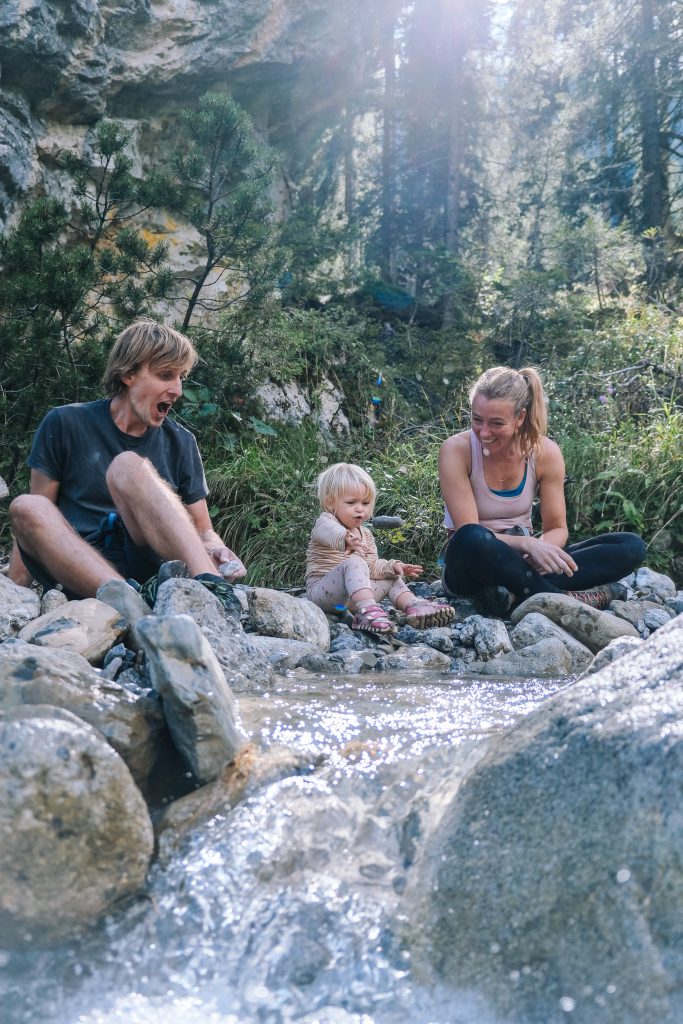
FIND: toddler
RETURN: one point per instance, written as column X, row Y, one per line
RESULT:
column 342, row 565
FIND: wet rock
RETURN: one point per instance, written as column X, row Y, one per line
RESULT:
column 75, row 834
column 132, row 724
column 410, row 635
column 440, row 638
column 561, row 850
column 676, row 603
column 112, row 668
column 283, row 655
column 188, row 597
column 87, row 627
column 655, row 618
column 4, row 489
column 252, row 769
column 349, row 641
column 419, row 656
column 534, row 627
column 489, row 637
column 18, row 606
column 647, row 581
column 546, row 659
column 52, row 599
column 274, row 613
column 635, row 611
column 199, row 706
column 619, row 648
column 244, row 661
column 131, row 606
column 591, row 627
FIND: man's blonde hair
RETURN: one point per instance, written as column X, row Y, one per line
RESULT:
column 343, row 478
column 146, row 341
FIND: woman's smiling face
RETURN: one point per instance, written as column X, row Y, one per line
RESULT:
column 494, row 422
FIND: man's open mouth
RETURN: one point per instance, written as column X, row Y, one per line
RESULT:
column 163, row 407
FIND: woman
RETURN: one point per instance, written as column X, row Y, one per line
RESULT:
column 489, row 476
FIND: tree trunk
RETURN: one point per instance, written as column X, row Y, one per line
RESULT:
column 388, row 241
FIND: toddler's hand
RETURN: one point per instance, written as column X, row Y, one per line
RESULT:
column 408, row 570
column 352, row 542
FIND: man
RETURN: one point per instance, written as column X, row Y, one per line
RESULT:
column 117, row 487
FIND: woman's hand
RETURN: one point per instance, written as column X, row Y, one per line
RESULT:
column 411, row 572
column 546, row 558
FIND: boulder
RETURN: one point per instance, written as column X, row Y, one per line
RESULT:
column 130, row 605
column 548, row 658
column 52, row 599
column 274, row 613
column 18, row 606
column 534, row 627
column 87, row 627
column 615, row 649
column 4, row 489
column 200, row 708
column 489, row 637
column 347, row 663
column 553, row 881
column 410, row 659
column 75, row 834
column 591, row 627
column 178, row 596
column 133, row 724
column 283, row 655
column 647, row 581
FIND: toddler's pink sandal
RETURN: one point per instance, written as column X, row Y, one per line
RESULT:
column 427, row 614
column 372, row 618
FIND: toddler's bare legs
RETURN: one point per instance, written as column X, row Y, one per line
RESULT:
column 349, row 582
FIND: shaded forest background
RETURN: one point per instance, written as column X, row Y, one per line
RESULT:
column 503, row 183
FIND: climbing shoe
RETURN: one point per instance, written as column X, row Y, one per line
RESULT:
column 498, row 601
column 175, row 569
column 225, row 593
column 600, row 597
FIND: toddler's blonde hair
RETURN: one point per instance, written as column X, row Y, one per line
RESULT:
column 343, row 478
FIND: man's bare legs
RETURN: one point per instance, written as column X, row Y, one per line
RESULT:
column 154, row 514
column 43, row 532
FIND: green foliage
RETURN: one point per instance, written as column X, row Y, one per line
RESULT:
column 225, row 176
column 265, row 504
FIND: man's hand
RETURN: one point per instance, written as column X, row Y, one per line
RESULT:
column 411, row 572
column 222, row 555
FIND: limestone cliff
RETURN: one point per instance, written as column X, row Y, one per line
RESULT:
column 66, row 63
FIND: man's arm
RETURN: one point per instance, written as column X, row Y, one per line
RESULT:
column 48, row 488
column 218, row 551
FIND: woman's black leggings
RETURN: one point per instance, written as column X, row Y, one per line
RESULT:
column 475, row 558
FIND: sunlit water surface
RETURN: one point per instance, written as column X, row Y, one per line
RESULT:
column 288, row 908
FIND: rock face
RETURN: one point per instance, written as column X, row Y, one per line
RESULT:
column 75, row 835
column 554, row 879
column 64, row 65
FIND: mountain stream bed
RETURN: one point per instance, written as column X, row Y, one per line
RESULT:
column 288, row 908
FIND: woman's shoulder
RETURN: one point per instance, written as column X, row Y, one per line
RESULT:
column 457, row 442
column 456, row 453
column 549, row 457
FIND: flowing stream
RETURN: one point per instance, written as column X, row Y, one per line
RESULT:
column 288, row 908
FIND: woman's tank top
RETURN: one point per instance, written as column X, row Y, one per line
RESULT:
column 499, row 511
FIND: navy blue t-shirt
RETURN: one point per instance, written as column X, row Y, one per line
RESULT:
column 75, row 445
